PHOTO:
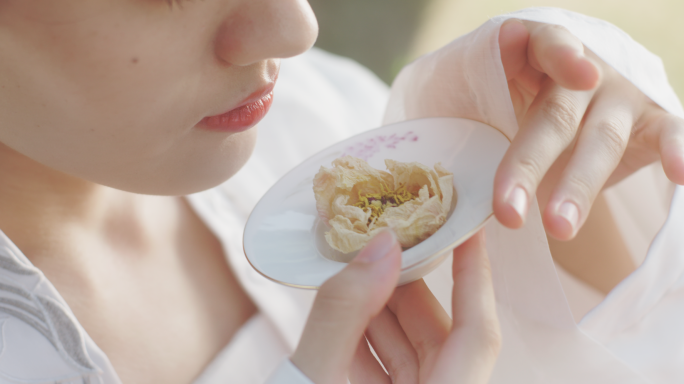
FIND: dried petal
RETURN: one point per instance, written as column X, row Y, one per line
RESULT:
column 358, row 201
column 349, row 176
column 413, row 176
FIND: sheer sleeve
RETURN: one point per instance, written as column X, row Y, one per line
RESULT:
column 635, row 334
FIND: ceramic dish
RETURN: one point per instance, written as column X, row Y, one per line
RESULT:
column 284, row 237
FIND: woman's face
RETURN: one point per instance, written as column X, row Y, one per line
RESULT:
column 134, row 94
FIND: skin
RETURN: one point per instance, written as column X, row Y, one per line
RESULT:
column 595, row 129
column 413, row 336
column 99, row 103
column 123, row 84
column 594, row 126
column 552, row 82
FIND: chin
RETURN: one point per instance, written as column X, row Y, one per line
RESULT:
column 192, row 172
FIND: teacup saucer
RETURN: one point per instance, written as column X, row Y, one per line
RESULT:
column 284, row 237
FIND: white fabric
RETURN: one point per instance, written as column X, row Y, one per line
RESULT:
column 40, row 340
column 582, row 298
column 320, row 99
column 287, row 373
column 250, row 356
column 639, row 222
column 633, row 336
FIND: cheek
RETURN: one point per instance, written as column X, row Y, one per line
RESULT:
column 200, row 161
column 121, row 125
column 119, row 109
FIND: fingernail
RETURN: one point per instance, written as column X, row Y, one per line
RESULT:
column 378, row 247
column 570, row 213
column 517, row 198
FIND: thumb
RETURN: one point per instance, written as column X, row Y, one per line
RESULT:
column 343, row 308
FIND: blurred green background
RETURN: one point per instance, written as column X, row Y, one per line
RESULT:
column 384, row 35
column 377, row 33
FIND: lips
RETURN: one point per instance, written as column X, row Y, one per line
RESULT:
column 245, row 116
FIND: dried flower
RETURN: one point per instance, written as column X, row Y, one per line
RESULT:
column 358, row 201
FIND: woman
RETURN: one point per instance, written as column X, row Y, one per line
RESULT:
column 111, row 109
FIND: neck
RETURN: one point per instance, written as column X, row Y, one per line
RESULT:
column 39, row 206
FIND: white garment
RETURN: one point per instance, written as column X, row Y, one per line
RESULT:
column 250, row 356
column 633, row 336
column 320, row 99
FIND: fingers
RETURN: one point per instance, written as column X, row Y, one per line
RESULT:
column 473, row 303
column 513, row 38
column 551, row 88
column 523, row 80
column 671, row 145
column 657, row 135
column 393, row 348
column 599, row 149
column 550, row 110
column 422, row 319
column 547, row 129
column 365, row 368
column 343, row 308
column 556, row 52
column 470, row 350
column 663, row 134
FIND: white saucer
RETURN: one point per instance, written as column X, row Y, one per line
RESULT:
column 283, row 237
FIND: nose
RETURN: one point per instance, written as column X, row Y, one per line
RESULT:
column 264, row 29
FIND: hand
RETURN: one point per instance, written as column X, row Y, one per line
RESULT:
column 412, row 335
column 582, row 127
